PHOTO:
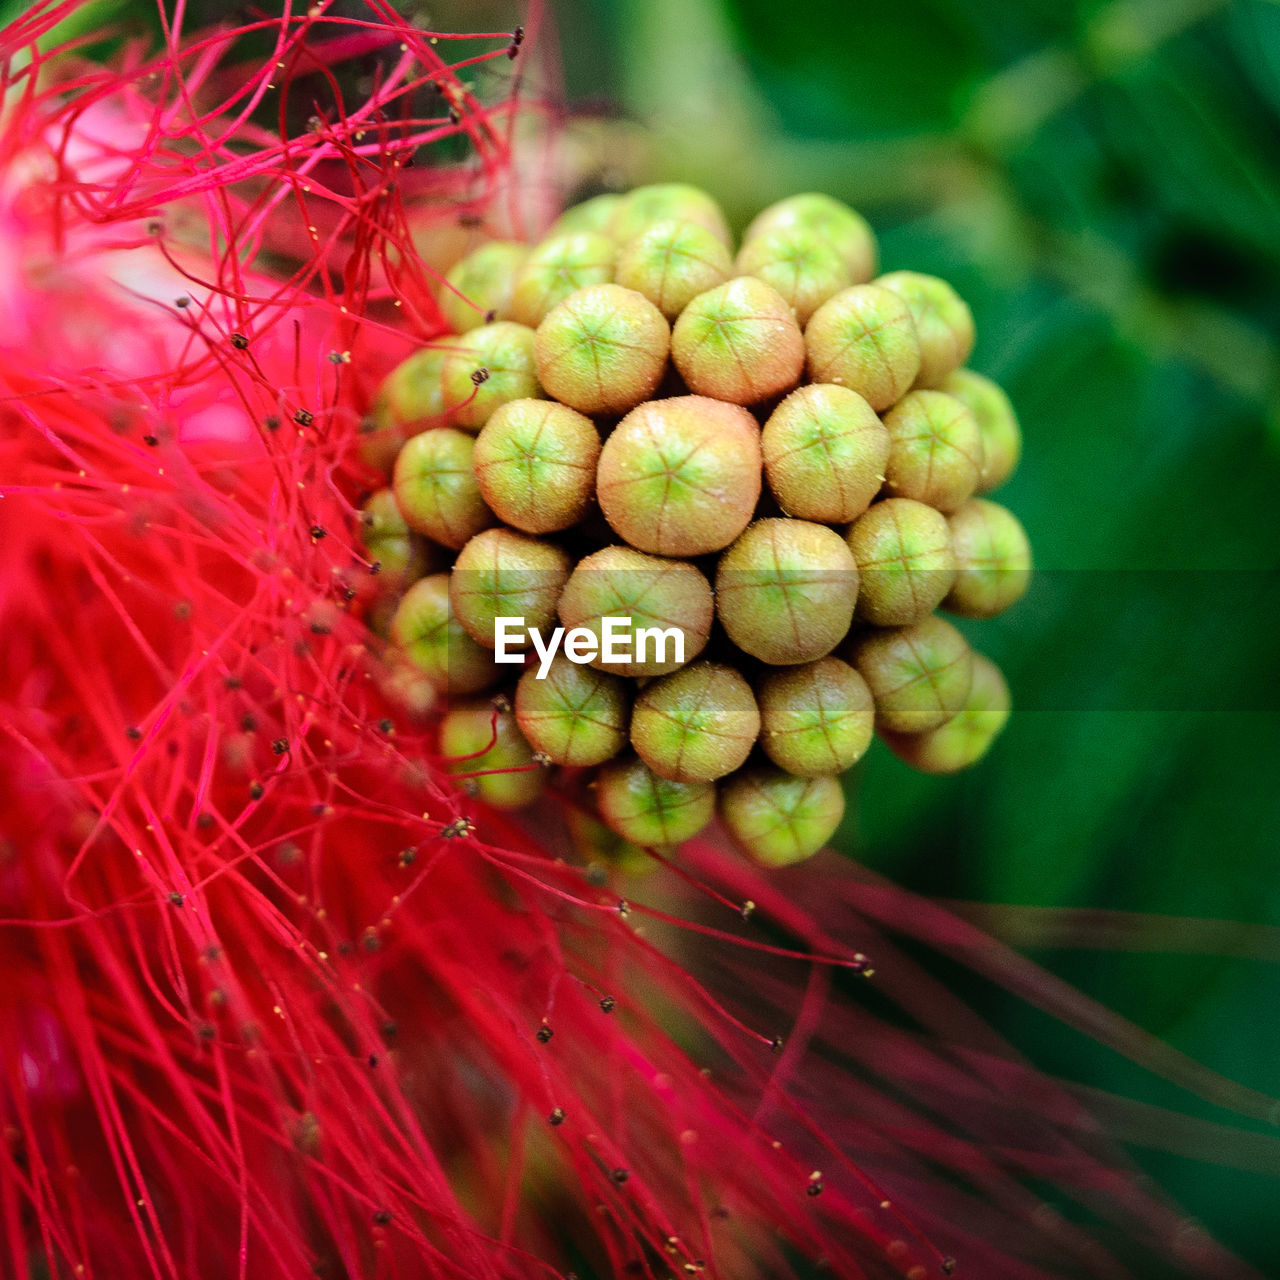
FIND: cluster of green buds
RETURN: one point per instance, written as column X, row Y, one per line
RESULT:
column 674, row 523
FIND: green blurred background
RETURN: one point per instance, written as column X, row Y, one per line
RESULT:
column 1102, row 182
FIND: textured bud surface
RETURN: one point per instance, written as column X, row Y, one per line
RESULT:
column 436, row 488
column 603, row 349
column 556, row 268
column 816, row 719
column 836, row 223
column 993, row 559
column 487, row 368
column 649, row 810
column 919, row 676
column 825, row 453
column 864, row 339
column 479, row 288
column 672, row 262
column 739, row 342
column 649, row 591
column 535, row 463
column 681, row 477
column 935, row 450
column 425, row 630
column 944, row 323
column 906, row 563
column 504, row 574
column 1001, row 435
column 786, row 590
column 575, row 714
column 697, row 724
column 777, row 818
column 484, row 748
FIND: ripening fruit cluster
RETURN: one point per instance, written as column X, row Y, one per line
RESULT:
column 779, row 452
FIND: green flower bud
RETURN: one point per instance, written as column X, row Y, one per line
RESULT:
column 410, row 400
column 436, row 488
column 425, row 630
column 935, row 450
column 664, row 202
column 825, row 453
column 777, row 818
column 697, row 724
column 653, row 593
column 487, row 368
column 1001, row 435
column 504, row 574
column 557, row 267
column 801, row 265
column 919, row 675
column 595, row 215
column 485, row 748
column 944, row 323
column 738, row 342
column 575, row 714
column 906, row 564
column 671, row 263
column 648, row 810
column 403, row 556
column 535, row 463
column 594, row 842
column 965, row 738
column 865, row 339
column 993, row 560
column 680, row 477
column 816, row 719
column 603, row 349
column 785, row 591
column 478, row 289
column 833, row 221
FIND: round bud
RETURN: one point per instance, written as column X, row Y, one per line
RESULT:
column 595, row 843
column 803, row 267
column 785, row 591
column 603, row 349
column 424, row 629
column 389, row 541
column 648, row 810
column 1001, row 435
column 825, row 452
column 816, row 719
column 680, row 477
column 504, row 574
column 697, row 724
column 594, row 214
column 486, row 369
column 919, row 675
column 535, row 463
column 777, row 818
column 665, row 202
column 672, row 262
column 436, row 489
column 738, row 342
column 821, row 215
column 906, row 564
column 555, row 268
column 653, row 594
column 864, row 339
column 944, row 323
column 993, row 560
column 410, row 400
column 935, row 450
column 479, row 288
column 484, row 748
column 968, row 735
column 574, row 714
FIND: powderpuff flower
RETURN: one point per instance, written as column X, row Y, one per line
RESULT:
column 278, row 1000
